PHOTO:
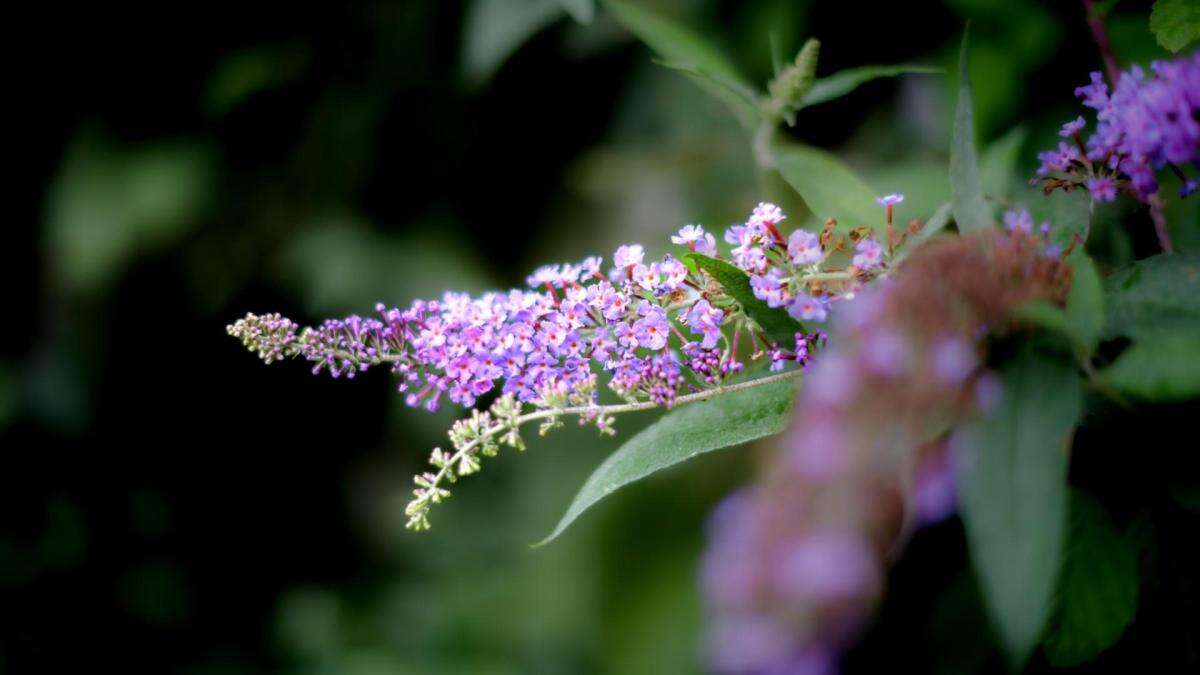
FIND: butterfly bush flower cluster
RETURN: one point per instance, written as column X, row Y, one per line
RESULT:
column 657, row 328
column 795, row 564
column 1148, row 122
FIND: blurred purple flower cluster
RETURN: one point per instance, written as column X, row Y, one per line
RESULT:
column 796, row 562
column 1145, row 124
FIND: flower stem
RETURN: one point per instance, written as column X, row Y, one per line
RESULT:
column 604, row 410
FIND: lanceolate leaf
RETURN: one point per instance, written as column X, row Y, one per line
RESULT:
column 1098, row 589
column 1154, row 296
column 1085, row 305
column 1069, row 214
column 679, row 46
column 775, row 321
column 1158, row 368
column 1013, row 491
column 998, row 164
column 845, row 81
column 828, row 186
column 971, row 211
column 580, row 10
column 722, row 421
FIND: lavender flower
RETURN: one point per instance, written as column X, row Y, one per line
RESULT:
column 546, row 348
column 1148, row 122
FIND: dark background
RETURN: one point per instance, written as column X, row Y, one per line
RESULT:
column 169, row 504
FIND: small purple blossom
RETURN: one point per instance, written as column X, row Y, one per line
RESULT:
column 1073, row 127
column 888, row 201
column 804, row 307
column 1103, row 188
column 628, row 255
column 869, row 256
column 1018, row 221
column 688, row 235
column 804, row 248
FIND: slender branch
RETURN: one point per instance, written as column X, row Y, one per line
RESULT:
column 603, row 410
column 1095, row 21
column 1156, row 205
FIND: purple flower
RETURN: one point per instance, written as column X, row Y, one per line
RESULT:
column 769, row 288
column 652, row 330
column 1073, row 127
column 628, row 255
column 807, row 308
column 1103, row 189
column 870, row 254
column 765, row 214
column 1095, row 94
column 688, row 235
column 704, row 319
column 804, row 248
column 828, row 567
column 888, row 201
column 1018, row 221
column 953, row 360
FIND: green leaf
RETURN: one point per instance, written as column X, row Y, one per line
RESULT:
column 1175, row 23
column 1162, row 367
column 845, row 81
column 1013, row 492
column 998, row 164
column 1068, row 213
column 828, row 186
column 1153, row 296
column 733, row 88
column 971, row 211
column 1098, row 589
column 1085, row 304
column 494, row 29
column 678, row 45
column 775, row 321
column 720, row 422
column 580, row 10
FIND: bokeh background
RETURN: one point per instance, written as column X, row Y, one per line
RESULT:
column 169, row 504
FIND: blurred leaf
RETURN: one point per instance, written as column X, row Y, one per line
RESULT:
column 775, row 321
column 1098, row 588
column 1175, row 22
column 827, row 185
column 580, row 10
column 845, row 81
column 495, row 29
column 734, row 88
column 1163, row 367
column 1069, row 214
column 239, row 75
column 1153, row 296
column 1083, row 318
column 1085, row 304
column 341, row 265
column 679, row 46
column 971, row 211
column 110, row 204
column 694, row 429
column 1013, row 482
column 998, row 165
